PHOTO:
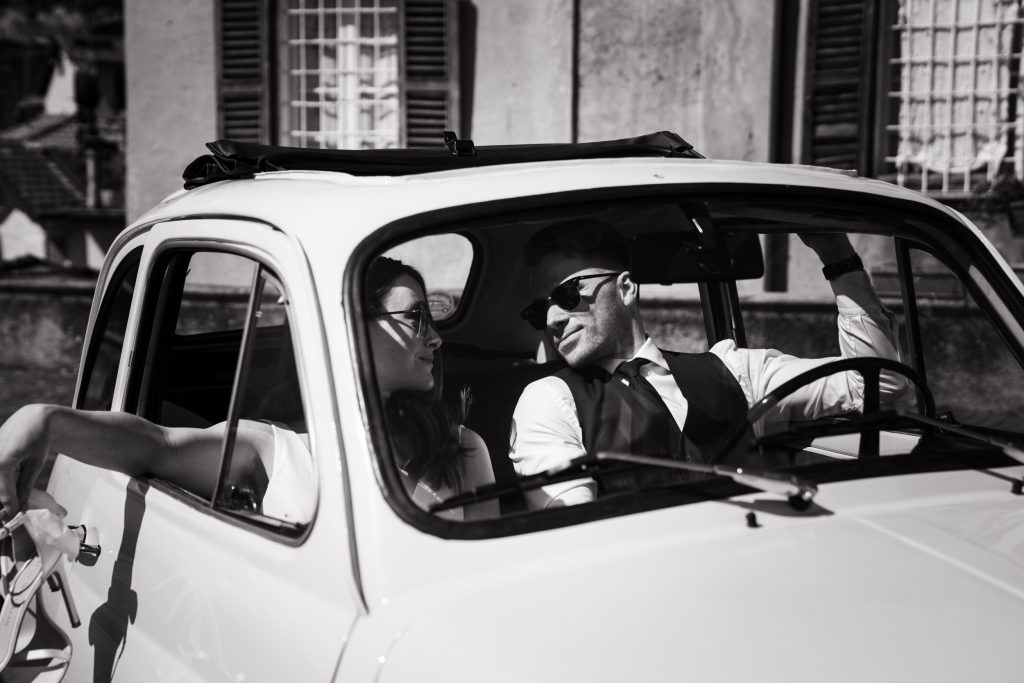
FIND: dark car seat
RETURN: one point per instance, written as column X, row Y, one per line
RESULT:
column 496, row 385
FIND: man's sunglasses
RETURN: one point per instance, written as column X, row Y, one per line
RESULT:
column 566, row 296
column 423, row 322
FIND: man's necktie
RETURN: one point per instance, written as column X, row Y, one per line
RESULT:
column 629, row 374
column 651, row 429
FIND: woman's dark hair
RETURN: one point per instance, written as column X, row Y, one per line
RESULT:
column 425, row 432
column 380, row 278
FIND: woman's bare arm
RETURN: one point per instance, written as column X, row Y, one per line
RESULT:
column 184, row 456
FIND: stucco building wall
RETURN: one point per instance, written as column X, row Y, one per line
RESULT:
column 522, row 91
column 171, row 77
column 701, row 69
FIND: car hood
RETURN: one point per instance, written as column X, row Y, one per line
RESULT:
column 932, row 590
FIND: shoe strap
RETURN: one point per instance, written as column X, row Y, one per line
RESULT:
column 41, row 655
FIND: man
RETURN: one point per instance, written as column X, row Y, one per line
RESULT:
column 598, row 403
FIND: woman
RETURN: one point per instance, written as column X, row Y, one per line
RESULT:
column 438, row 457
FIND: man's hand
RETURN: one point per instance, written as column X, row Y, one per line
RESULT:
column 830, row 247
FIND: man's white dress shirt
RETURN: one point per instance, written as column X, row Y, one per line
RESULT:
column 546, row 430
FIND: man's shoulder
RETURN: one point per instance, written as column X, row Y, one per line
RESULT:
column 545, row 398
column 553, row 384
column 712, row 355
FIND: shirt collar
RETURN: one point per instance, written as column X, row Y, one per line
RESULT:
column 648, row 350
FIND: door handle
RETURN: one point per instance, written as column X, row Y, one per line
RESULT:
column 88, row 553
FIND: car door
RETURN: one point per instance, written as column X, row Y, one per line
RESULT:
column 210, row 585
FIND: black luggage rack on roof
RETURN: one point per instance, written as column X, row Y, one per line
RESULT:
column 231, row 159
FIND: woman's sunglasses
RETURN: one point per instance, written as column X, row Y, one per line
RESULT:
column 566, row 296
column 422, row 322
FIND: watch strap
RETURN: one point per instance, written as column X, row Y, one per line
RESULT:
column 833, row 270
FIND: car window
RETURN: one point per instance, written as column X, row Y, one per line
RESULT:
column 674, row 313
column 100, row 370
column 975, row 378
column 717, row 270
column 799, row 318
column 222, row 356
column 446, row 261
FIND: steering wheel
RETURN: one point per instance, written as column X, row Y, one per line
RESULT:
column 869, row 368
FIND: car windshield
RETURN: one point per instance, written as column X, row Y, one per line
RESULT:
column 791, row 336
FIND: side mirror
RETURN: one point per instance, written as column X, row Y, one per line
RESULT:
column 442, row 304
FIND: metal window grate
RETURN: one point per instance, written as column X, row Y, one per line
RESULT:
column 342, row 74
column 956, row 102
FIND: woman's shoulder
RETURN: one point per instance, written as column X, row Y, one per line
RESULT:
column 478, row 470
column 470, row 440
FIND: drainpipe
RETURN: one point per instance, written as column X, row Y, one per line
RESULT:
column 87, row 96
column 783, row 118
column 574, row 85
column 91, row 186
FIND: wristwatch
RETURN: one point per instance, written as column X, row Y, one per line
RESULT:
column 833, row 270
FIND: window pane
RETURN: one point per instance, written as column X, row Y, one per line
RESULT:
column 101, row 372
column 195, row 382
column 203, row 353
column 969, row 368
column 955, row 109
column 270, row 399
column 445, row 262
column 343, row 65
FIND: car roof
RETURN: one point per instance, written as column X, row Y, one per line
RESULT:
column 335, row 210
column 230, row 159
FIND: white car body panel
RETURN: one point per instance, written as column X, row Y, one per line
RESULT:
column 919, row 577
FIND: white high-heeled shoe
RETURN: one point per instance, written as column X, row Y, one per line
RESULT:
column 52, row 540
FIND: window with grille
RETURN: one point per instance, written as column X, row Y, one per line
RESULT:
column 346, row 74
column 955, row 103
column 342, row 73
column 367, row 74
column 922, row 93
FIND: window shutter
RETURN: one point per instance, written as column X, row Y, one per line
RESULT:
column 840, row 76
column 429, row 72
column 244, row 69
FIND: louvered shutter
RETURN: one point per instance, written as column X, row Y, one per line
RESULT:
column 842, row 59
column 429, row 71
column 244, row 69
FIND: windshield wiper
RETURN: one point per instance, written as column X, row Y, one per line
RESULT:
column 1008, row 449
column 889, row 419
column 799, row 492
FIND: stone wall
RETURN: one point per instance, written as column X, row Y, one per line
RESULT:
column 42, row 327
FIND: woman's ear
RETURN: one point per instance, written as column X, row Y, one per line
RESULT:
column 629, row 290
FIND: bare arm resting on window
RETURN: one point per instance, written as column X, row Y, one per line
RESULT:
column 186, row 457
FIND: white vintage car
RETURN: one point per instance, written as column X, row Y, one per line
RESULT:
column 887, row 545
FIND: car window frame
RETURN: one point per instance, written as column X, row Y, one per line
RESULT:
column 449, row 219
column 989, row 304
column 157, row 313
column 132, row 260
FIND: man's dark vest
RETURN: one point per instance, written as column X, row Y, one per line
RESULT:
column 612, row 419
